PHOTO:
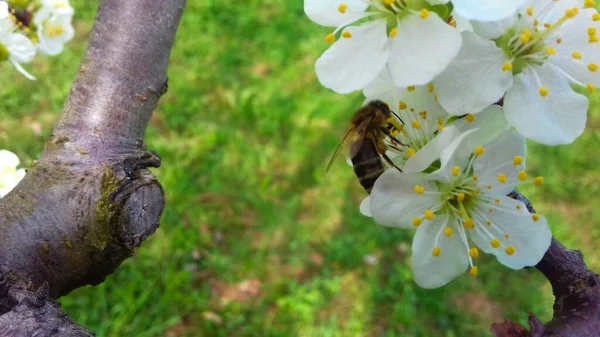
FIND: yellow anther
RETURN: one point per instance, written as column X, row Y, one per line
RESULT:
column 536, row 22
column 538, row 180
column 455, row 171
column 460, row 197
column 424, row 14
column 596, row 17
column 417, row 222
column 347, row 35
column 590, row 87
column 470, row 118
column 393, row 32
column 489, row 223
column 589, row 4
column 547, row 25
column 448, row 231
column 507, row 66
column 489, row 187
column 522, row 175
column 479, row 151
column 428, row 215
column 410, row 88
column 570, row 13
column 497, row 201
column 506, row 236
column 502, row 178
column 535, row 217
column 544, row 91
column 474, row 252
column 591, row 31
column 430, row 87
column 558, row 40
column 525, row 38
column 342, row 8
column 440, row 121
column 395, row 133
column 389, row 2
column 476, row 178
column 510, row 250
column 468, row 223
column 593, row 39
column 474, row 271
column 435, row 98
column 423, row 114
column 436, row 251
column 416, row 124
column 529, row 11
column 411, row 152
column 517, row 160
column 518, row 207
column 330, row 38
column 451, row 197
column 576, row 55
column 402, row 105
column 550, row 51
column 495, row 243
column 419, row 189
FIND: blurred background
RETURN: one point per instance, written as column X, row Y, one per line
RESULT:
column 256, row 240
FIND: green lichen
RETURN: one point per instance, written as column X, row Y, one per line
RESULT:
column 100, row 231
column 45, row 248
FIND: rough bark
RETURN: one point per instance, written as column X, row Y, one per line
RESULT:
column 576, row 290
column 89, row 200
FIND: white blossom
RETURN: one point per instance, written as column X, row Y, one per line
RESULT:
column 546, row 47
column 3, row 10
column 54, row 26
column 9, row 174
column 15, row 47
column 412, row 42
column 462, row 206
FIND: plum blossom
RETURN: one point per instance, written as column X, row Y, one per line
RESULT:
column 9, row 175
column 54, row 27
column 15, row 47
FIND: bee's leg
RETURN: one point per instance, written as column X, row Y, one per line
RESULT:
column 390, row 162
column 388, row 133
column 130, row 165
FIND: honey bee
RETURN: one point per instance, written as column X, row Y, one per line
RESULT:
column 370, row 128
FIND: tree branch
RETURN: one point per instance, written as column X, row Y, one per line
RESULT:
column 576, row 290
column 89, row 200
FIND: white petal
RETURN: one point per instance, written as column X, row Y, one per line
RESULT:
column 530, row 239
column 8, row 160
column 475, row 79
column 492, row 29
column 558, row 118
column 352, row 63
column 490, row 123
column 432, row 151
column 497, row 159
column 415, row 57
column 326, row 13
column 382, row 88
column 3, row 9
column 394, row 201
column 455, row 154
column 435, row 271
column 21, row 49
column 486, row 10
column 365, row 208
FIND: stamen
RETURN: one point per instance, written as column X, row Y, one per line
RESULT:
column 419, row 189
column 393, row 32
column 436, row 251
column 402, row 105
column 590, row 87
column 448, row 231
column 417, row 222
column 510, row 250
column 576, row 55
column 347, row 35
column 474, row 271
column 330, row 38
column 522, row 175
column 544, row 91
column 424, row 14
column 455, row 171
column 470, row 118
column 507, row 66
column 535, row 217
column 428, row 215
column 502, row 178
column 474, row 252
column 342, row 8
column 495, row 243
column 468, row 223
column 538, row 180
column 517, row 160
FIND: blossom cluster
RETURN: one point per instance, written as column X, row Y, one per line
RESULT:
column 31, row 26
column 469, row 81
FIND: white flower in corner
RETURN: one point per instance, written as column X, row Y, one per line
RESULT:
column 532, row 61
column 9, row 175
column 412, row 41
column 54, row 26
column 15, row 47
column 485, row 10
column 462, row 206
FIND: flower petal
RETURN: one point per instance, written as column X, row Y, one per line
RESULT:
column 365, row 207
column 486, row 10
column 455, row 154
column 8, row 160
column 523, row 240
column 490, row 123
column 475, row 79
column 557, row 118
column 394, row 201
column 415, row 57
column 352, row 63
column 327, row 13
column 21, row 49
column 431, row 152
column 498, row 159
column 3, row 9
column 435, row 271
column 492, row 30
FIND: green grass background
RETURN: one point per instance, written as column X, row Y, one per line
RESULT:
column 256, row 240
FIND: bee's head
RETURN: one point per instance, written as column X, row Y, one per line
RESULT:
column 382, row 106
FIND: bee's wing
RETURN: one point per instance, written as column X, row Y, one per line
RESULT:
column 352, row 140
